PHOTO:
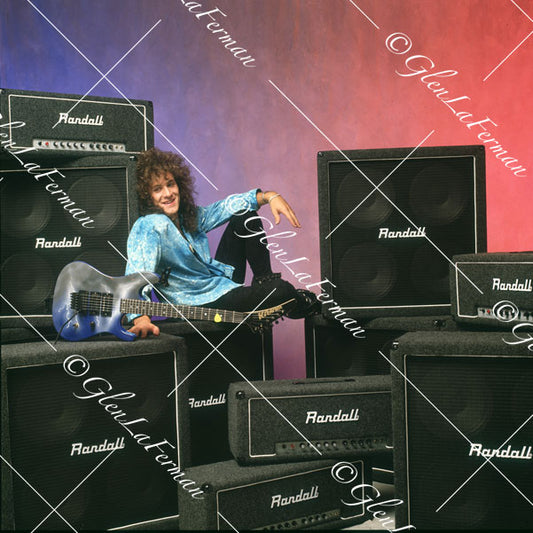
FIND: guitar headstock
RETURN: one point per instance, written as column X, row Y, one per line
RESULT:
column 262, row 320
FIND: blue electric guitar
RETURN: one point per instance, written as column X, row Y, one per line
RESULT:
column 87, row 302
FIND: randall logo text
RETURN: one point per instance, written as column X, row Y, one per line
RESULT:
column 515, row 286
column 314, row 418
column 505, row 453
column 410, row 233
column 221, row 399
column 64, row 118
column 281, row 501
column 78, row 447
column 41, row 242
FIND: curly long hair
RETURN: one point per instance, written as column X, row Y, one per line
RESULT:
column 154, row 162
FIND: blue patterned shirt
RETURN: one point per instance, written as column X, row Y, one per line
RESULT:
column 155, row 244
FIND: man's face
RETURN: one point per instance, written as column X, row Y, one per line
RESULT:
column 165, row 194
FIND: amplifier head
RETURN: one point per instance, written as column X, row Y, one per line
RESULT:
column 287, row 420
column 463, row 431
column 70, row 124
column 314, row 494
column 390, row 218
column 493, row 289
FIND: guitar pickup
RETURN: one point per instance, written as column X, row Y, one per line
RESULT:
column 92, row 303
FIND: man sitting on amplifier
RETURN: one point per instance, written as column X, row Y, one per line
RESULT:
column 171, row 239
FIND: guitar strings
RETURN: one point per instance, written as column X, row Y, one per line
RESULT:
column 87, row 301
column 97, row 303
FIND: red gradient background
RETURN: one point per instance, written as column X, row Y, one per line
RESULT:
column 329, row 59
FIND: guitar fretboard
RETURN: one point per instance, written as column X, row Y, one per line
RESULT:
column 142, row 307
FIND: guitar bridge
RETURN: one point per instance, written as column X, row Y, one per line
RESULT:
column 92, row 303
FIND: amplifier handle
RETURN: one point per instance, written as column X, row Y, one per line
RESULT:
column 321, row 381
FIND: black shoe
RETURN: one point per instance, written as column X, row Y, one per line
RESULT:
column 307, row 304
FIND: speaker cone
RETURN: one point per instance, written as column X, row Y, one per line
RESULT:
column 367, row 271
column 27, row 282
column 102, row 201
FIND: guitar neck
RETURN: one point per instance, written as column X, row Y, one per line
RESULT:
column 143, row 307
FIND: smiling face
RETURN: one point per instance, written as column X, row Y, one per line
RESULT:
column 165, row 194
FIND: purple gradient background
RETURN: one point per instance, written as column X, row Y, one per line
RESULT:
column 328, row 59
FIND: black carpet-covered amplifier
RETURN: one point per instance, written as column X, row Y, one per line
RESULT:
column 463, row 431
column 73, row 125
column 331, row 351
column 390, row 222
column 80, row 428
column 287, row 420
column 245, row 355
column 494, row 289
column 314, row 494
column 71, row 212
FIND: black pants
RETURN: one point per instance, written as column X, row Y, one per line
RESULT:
column 237, row 251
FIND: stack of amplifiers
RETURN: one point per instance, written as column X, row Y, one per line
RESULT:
column 64, row 410
column 68, row 124
column 310, row 495
column 390, row 221
column 493, row 289
column 72, row 215
column 463, row 431
column 331, row 351
column 286, row 420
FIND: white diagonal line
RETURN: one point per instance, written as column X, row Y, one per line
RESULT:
column 379, row 184
column 31, row 325
column 225, row 358
column 109, row 71
column 482, row 465
column 507, row 57
column 370, row 181
column 37, row 492
column 227, row 522
column 271, row 404
column 219, row 344
column 450, row 422
column 73, row 490
column 423, row 395
column 123, row 95
column 522, row 10
column 363, row 13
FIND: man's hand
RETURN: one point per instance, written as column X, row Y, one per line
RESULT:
column 279, row 206
column 143, row 326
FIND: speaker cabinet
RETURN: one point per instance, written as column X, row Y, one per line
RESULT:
column 73, row 125
column 61, row 410
column 492, row 290
column 309, row 495
column 463, row 431
column 68, row 216
column 331, row 351
column 249, row 356
column 390, row 223
column 292, row 420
